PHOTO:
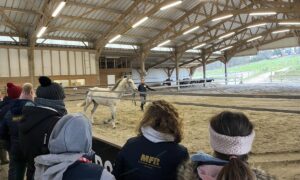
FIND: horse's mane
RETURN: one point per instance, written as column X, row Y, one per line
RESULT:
column 117, row 84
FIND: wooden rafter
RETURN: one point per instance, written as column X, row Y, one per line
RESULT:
column 118, row 28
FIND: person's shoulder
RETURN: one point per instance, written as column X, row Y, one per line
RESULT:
column 133, row 140
column 262, row 175
column 181, row 150
column 204, row 158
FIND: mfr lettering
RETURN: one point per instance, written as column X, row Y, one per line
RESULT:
column 150, row 160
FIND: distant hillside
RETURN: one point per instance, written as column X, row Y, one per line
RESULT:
column 278, row 67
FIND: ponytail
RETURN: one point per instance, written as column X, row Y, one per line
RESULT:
column 236, row 169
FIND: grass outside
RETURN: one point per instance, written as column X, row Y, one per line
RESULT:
column 260, row 67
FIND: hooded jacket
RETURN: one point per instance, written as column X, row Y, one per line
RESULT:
column 70, row 141
column 150, row 156
column 206, row 167
column 34, row 131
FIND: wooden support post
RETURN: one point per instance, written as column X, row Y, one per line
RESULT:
column 203, row 66
column 143, row 54
column 225, row 66
column 97, row 59
column 31, row 65
column 177, row 69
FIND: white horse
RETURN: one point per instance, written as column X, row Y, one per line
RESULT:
column 108, row 97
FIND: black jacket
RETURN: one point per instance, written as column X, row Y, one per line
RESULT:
column 9, row 128
column 141, row 159
column 34, row 131
column 143, row 89
column 79, row 171
column 5, row 106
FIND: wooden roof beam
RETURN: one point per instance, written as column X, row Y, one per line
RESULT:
column 246, row 10
column 193, row 42
column 118, row 29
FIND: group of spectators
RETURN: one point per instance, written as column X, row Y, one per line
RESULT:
column 47, row 143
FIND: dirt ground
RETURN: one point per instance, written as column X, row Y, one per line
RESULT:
column 277, row 144
column 276, row 147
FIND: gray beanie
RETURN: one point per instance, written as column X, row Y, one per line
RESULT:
column 49, row 89
column 71, row 134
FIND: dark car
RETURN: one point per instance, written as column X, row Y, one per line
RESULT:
column 167, row 82
column 198, row 81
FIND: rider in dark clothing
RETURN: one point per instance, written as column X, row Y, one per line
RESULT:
column 143, row 90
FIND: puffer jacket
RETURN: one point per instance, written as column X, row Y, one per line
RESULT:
column 188, row 170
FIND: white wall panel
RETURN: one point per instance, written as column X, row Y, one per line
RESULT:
column 87, row 63
column 93, row 63
column 55, row 63
column 72, row 63
column 79, row 68
column 4, row 64
column 64, row 63
column 14, row 63
column 38, row 66
column 47, row 62
column 24, row 62
column 159, row 75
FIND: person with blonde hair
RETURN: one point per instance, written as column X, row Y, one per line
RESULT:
column 9, row 131
column 27, row 92
column 155, row 152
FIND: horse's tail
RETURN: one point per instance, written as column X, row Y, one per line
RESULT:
column 84, row 102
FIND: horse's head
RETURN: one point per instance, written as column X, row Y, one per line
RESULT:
column 129, row 85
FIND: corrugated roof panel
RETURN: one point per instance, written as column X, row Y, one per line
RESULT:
column 144, row 32
column 121, row 5
column 171, row 14
column 102, row 15
column 152, row 22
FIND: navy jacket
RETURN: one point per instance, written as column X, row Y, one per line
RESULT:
column 80, row 170
column 9, row 129
column 141, row 159
column 143, row 89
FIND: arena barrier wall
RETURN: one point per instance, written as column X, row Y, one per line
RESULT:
column 106, row 153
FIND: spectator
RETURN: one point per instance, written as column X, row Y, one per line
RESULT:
column 1, row 98
column 70, row 146
column 143, row 90
column 155, row 152
column 231, row 137
column 9, row 132
column 13, row 92
column 39, row 120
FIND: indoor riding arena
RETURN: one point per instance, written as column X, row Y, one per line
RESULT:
column 203, row 56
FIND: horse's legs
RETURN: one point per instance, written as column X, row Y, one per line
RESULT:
column 88, row 102
column 113, row 115
column 93, row 111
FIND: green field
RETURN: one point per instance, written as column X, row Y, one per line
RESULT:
column 260, row 67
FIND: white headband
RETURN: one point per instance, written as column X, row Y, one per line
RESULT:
column 231, row 145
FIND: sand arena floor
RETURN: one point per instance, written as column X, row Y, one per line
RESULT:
column 276, row 148
column 277, row 144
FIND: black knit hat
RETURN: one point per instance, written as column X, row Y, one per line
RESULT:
column 49, row 89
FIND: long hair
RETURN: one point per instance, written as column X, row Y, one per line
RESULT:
column 233, row 124
column 163, row 117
